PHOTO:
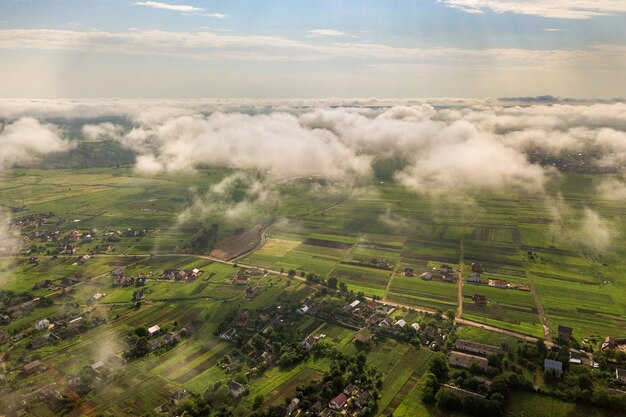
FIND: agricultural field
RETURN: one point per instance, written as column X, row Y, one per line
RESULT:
column 369, row 239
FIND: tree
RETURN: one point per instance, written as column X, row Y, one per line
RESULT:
column 430, row 388
column 332, row 282
column 258, row 402
column 141, row 331
column 343, row 287
column 439, row 366
column 451, row 314
column 291, row 273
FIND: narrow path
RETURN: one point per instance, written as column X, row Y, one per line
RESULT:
column 540, row 310
column 459, row 308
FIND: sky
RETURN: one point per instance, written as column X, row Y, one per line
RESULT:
column 312, row 48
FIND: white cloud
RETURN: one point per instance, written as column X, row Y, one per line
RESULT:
column 560, row 9
column 25, row 140
column 596, row 232
column 612, row 189
column 172, row 7
column 327, row 33
column 443, row 145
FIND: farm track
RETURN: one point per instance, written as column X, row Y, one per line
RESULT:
column 540, row 310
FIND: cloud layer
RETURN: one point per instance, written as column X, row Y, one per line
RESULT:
column 434, row 146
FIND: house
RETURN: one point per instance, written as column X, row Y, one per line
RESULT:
column 372, row 305
column 154, row 330
column 354, row 304
column 351, row 390
column 171, row 338
column 327, row 412
column 474, row 347
column 400, row 323
column 257, row 272
column 139, row 295
column 565, row 332
column 363, row 336
column 236, row 389
column 620, row 375
column 95, row 298
column 306, row 306
column 609, row 343
column 177, row 397
column 42, row 284
column 40, row 341
column 293, row 406
column 309, row 342
column 281, row 411
column 251, row 292
column 42, row 324
column 427, row 276
column 382, row 309
column 416, row 327
column 242, row 319
column 445, row 269
column 480, row 300
column 32, row 367
column 97, row 367
column 386, row 322
column 72, row 324
column 498, row 283
column 474, row 277
column 241, row 279
column 408, row 272
column 556, row 366
column 338, row 402
column 465, row 360
column 447, row 277
column 575, row 357
column 428, row 335
column 228, row 334
column 362, row 399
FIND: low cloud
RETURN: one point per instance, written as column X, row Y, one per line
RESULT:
column 24, row 141
column 10, row 240
column 612, row 189
column 428, row 146
column 238, row 199
column 595, row 232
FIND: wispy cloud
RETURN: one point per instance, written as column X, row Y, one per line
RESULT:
column 556, row 9
column 213, row 46
column 552, row 30
column 182, row 8
column 173, row 7
column 318, row 33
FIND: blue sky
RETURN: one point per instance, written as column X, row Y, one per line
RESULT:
column 312, row 48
